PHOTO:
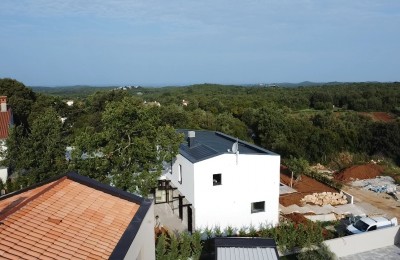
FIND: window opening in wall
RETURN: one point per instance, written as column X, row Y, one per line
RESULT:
column 180, row 174
column 217, row 179
column 258, row 207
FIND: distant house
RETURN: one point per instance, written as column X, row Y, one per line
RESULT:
column 6, row 121
column 72, row 216
column 152, row 103
column 70, row 103
column 218, row 180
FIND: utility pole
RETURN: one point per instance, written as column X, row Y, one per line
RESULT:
column 291, row 180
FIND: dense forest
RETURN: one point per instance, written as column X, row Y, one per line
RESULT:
column 113, row 133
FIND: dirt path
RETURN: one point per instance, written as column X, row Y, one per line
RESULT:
column 380, row 200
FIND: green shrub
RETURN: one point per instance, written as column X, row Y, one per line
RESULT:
column 252, row 231
column 161, row 247
column 217, row 231
column 184, row 246
column 322, row 178
column 185, row 242
column 242, row 232
column 197, row 245
column 322, row 252
column 229, row 231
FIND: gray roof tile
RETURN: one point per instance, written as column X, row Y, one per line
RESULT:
column 208, row 144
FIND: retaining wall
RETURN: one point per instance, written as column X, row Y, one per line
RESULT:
column 349, row 197
column 363, row 242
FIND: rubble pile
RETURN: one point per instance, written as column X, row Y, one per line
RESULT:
column 325, row 198
column 379, row 184
column 320, row 169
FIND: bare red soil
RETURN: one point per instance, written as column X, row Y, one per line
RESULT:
column 361, row 172
column 380, row 116
column 297, row 218
column 304, row 187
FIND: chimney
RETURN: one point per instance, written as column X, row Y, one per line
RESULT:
column 3, row 101
column 191, row 136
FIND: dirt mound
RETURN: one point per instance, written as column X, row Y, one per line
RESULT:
column 297, row 218
column 361, row 172
column 380, row 116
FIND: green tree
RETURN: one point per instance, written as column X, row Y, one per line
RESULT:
column 271, row 127
column 174, row 116
column 227, row 124
column 297, row 166
column 41, row 154
column 14, row 143
column 20, row 99
column 130, row 148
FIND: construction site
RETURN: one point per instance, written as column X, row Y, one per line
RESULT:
column 365, row 192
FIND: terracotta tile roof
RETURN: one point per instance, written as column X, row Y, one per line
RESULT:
column 5, row 122
column 71, row 217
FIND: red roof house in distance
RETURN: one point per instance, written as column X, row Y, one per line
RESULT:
column 74, row 217
column 6, row 118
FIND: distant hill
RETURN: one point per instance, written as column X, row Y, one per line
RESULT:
column 81, row 91
column 301, row 84
column 70, row 91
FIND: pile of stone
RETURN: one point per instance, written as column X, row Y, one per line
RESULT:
column 378, row 184
column 321, row 169
column 325, row 198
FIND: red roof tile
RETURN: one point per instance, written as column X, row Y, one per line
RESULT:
column 63, row 219
column 5, row 122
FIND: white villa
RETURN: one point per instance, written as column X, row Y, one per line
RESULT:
column 218, row 180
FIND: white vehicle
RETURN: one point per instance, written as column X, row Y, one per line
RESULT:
column 369, row 224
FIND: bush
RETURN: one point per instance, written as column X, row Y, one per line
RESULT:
column 184, row 246
column 321, row 253
column 288, row 236
column 322, row 178
column 229, row 231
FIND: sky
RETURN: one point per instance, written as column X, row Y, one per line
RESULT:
column 178, row 42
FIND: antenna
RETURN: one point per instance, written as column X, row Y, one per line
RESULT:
column 235, row 150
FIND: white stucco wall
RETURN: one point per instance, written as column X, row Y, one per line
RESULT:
column 254, row 178
column 143, row 246
column 187, row 187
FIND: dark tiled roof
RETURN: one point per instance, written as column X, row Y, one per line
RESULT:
column 5, row 122
column 208, row 144
column 198, row 152
column 69, row 217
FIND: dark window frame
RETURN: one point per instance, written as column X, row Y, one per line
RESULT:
column 258, row 206
column 180, row 174
column 217, row 179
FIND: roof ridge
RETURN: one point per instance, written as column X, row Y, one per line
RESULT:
column 5, row 213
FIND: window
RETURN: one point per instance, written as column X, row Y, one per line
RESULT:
column 258, row 207
column 180, row 174
column 170, row 169
column 372, row 228
column 217, row 179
